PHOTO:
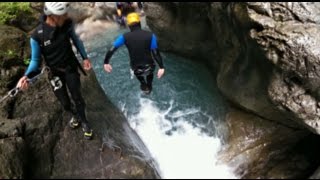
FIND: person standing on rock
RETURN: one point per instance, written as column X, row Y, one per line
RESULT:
column 52, row 39
column 143, row 51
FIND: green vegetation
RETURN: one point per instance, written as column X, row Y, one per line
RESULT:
column 26, row 61
column 11, row 10
column 9, row 54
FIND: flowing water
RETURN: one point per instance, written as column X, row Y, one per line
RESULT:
column 180, row 122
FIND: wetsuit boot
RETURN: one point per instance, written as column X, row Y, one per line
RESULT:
column 88, row 134
column 144, row 88
column 74, row 122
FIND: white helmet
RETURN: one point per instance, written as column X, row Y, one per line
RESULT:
column 56, row 8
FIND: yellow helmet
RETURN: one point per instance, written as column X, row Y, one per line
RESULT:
column 133, row 18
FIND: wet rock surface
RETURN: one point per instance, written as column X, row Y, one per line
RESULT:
column 264, row 55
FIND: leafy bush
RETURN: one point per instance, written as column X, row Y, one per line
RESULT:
column 10, row 10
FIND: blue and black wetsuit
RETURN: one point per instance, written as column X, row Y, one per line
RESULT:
column 143, row 51
column 55, row 46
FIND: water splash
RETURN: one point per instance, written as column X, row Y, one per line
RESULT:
column 186, row 152
column 179, row 119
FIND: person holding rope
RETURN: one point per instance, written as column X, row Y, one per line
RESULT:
column 52, row 39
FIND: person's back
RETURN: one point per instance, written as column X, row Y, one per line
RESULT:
column 143, row 52
column 138, row 42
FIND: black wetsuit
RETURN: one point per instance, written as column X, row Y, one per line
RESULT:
column 143, row 52
column 55, row 46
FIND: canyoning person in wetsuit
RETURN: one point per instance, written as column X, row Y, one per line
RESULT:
column 143, row 52
column 123, row 9
column 52, row 39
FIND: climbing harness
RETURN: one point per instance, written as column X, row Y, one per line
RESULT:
column 13, row 92
column 144, row 71
column 56, row 83
column 35, row 78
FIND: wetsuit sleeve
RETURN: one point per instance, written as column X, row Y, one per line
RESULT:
column 116, row 44
column 154, row 44
column 79, row 44
column 119, row 42
column 155, row 51
column 35, row 57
